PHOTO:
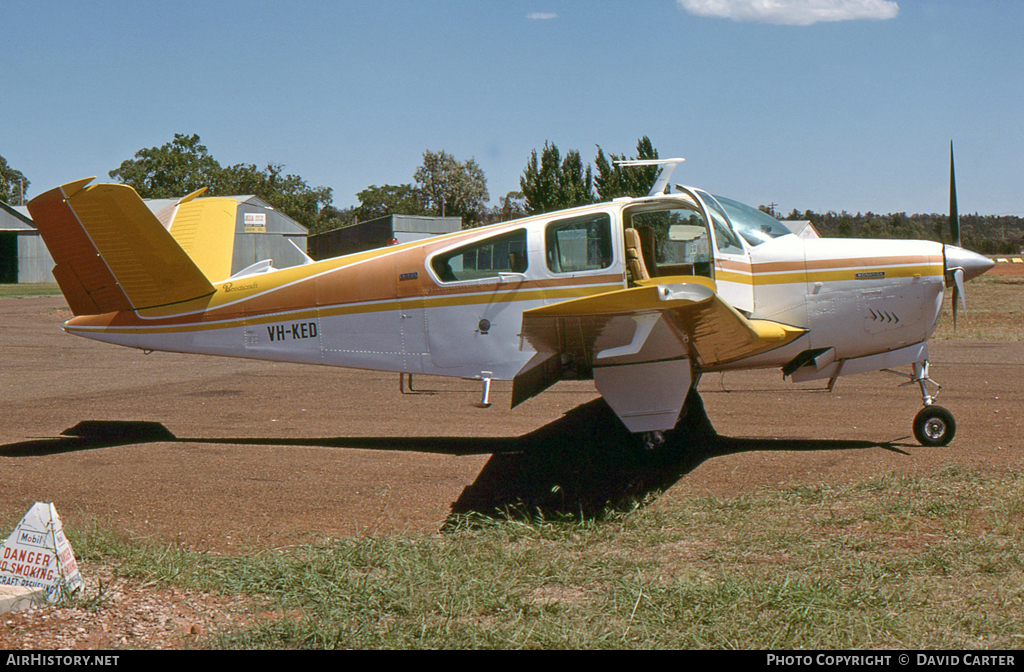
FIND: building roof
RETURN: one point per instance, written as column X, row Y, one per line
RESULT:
column 802, row 228
column 15, row 218
column 423, row 224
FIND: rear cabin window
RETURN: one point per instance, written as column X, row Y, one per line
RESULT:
column 483, row 259
column 579, row 243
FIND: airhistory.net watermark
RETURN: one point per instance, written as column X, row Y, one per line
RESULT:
column 53, row 660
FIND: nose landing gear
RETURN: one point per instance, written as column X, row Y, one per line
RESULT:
column 933, row 425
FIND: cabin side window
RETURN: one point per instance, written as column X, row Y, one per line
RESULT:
column 483, row 259
column 579, row 243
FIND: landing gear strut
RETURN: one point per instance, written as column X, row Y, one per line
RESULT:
column 933, row 425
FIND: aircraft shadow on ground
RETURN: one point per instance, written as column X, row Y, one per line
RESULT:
column 583, row 464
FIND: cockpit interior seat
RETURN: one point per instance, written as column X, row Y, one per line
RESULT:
column 635, row 256
column 647, row 249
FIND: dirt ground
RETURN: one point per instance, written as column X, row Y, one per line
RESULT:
column 228, row 454
column 1012, row 267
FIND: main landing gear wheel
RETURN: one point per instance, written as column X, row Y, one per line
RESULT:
column 652, row 440
column 934, row 426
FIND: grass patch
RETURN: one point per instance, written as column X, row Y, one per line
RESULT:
column 995, row 311
column 896, row 561
column 29, row 290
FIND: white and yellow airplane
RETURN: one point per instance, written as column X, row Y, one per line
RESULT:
column 643, row 295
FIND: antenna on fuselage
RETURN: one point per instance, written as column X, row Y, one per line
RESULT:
column 664, row 175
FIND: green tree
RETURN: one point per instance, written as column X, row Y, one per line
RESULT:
column 185, row 165
column 511, row 206
column 614, row 181
column 553, row 182
column 288, row 193
column 12, row 183
column 389, row 199
column 172, row 170
column 452, row 188
column 845, row 227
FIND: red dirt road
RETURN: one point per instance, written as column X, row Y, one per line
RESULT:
column 241, row 453
column 1008, row 268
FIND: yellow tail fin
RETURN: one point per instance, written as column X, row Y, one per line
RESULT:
column 111, row 252
column 205, row 229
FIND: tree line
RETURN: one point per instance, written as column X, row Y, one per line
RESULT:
column 445, row 186
column 13, row 184
column 550, row 181
column 986, row 234
column 441, row 186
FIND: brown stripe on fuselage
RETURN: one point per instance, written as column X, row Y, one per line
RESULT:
column 823, row 264
column 357, row 283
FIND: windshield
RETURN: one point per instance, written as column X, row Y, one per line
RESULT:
column 755, row 226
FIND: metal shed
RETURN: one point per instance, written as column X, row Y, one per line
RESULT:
column 261, row 232
column 23, row 256
column 373, row 233
column 802, row 228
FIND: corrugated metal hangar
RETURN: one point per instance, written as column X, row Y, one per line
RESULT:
column 23, row 257
column 261, row 232
column 387, row 230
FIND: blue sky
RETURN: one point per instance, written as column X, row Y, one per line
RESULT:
column 854, row 112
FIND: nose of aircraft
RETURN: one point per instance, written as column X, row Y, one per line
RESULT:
column 973, row 263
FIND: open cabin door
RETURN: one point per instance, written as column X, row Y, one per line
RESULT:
column 731, row 260
column 689, row 237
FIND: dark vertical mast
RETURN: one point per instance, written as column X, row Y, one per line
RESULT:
column 954, row 216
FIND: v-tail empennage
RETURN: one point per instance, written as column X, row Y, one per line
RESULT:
column 111, row 253
column 117, row 262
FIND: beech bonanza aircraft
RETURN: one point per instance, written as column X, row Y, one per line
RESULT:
column 643, row 295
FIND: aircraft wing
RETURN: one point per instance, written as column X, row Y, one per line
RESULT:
column 664, row 319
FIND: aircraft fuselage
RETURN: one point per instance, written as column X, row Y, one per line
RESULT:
column 389, row 309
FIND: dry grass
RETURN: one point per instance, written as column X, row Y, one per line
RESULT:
column 29, row 289
column 895, row 561
column 995, row 311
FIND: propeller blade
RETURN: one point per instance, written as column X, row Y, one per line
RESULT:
column 954, row 215
column 958, row 292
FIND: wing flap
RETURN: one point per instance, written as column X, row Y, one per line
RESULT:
column 710, row 330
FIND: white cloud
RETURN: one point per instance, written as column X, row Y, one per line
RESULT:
column 542, row 15
column 792, row 12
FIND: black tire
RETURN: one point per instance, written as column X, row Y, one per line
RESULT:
column 934, row 426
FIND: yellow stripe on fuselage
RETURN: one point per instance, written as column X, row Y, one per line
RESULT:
column 405, row 303
column 830, row 275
